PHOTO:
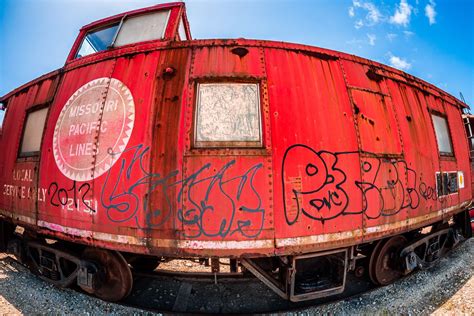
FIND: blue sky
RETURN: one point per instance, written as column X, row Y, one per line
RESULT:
column 431, row 39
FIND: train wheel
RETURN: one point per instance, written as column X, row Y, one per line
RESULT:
column 144, row 264
column 6, row 233
column 114, row 277
column 384, row 265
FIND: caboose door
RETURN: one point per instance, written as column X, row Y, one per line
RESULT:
column 227, row 165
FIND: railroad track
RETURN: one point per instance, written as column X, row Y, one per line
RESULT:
column 163, row 291
column 234, row 293
column 186, row 292
column 226, row 294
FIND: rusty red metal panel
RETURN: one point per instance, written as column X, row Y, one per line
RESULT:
column 461, row 149
column 315, row 152
column 348, row 151
column 15, row 188
column 376, row 123
column 10, row 137
column 125, row 186
column 44, row 91
column 447, row 163
column 356, row 75
column 19, row 178
column 48, row 78
column 434, row 103
column 219, row 61
column 384, row 172
column 165, row 201
column 167, row 146
column 67, row 158
column 419, row 148
column 226, row 204
column 226, row 194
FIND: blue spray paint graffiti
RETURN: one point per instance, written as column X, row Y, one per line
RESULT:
column 122, row 202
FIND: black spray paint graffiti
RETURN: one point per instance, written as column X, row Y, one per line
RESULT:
column 214, row 195
column 73, row 196
column 387, row 186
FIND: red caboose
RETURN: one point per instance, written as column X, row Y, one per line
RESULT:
column 301, row 162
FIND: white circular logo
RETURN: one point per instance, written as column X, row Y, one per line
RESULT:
column 93, row 129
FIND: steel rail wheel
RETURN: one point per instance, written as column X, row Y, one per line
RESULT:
column 115, row 279
column 384, row 266
column 144, row 263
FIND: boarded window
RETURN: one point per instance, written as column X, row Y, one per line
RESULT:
column 33, row 132
column 442, row 134
column 142, row 28
column 448, row 182
column 228, row 115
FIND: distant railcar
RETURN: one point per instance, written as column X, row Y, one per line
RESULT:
column 301, row 163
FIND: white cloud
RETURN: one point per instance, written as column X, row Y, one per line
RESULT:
column 391, row 36
column 402, row 14
column 399, row 63
column 372, row 39
column 373, row 15
column 358, row 24
column 355, row 42
column 408, row 33
column 351, row 12
column 430, row 12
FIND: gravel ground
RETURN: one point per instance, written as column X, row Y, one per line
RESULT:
column 23, row 293
column 447, row 288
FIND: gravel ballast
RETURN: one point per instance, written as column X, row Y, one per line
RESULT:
column 446, row 288
column 23, row 293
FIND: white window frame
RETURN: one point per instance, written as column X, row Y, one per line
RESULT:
column 124, row 21
column 448, row 132
column 26, row 132
column 99, row 28
column 119, row 28
column 227, row 143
